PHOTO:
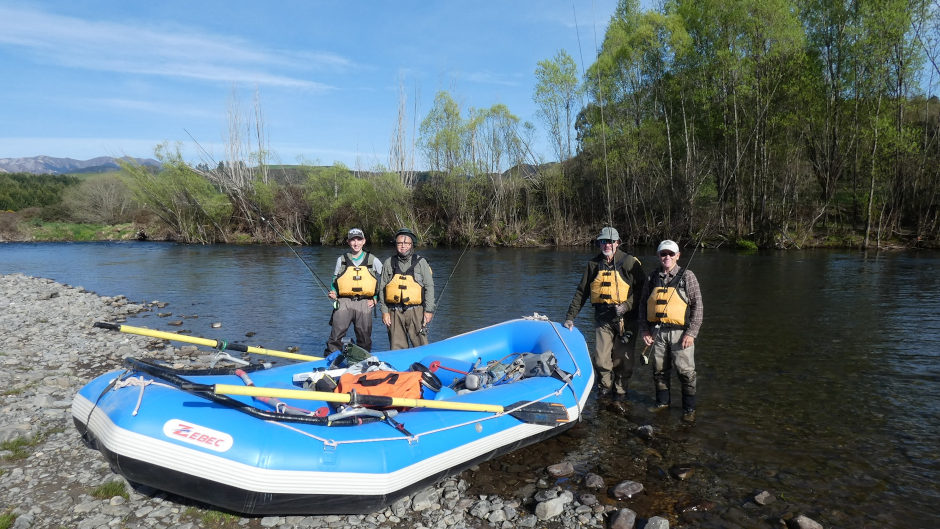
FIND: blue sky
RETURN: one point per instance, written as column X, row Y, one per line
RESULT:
column 112, row 78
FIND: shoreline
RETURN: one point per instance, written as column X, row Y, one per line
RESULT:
column 129, row 232
column 49, row 479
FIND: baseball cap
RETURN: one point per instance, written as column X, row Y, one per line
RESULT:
column 355, row 232
column 668, row 245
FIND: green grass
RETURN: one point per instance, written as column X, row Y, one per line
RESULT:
column 21, row 447
column 744, row 244
column 65, row 231
column 6, row 520
column 110, row 490
column 18, row 448
column 17, row 390
column 213, row 519
column 79, row 232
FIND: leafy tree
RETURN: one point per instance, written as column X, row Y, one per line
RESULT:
column 190, row 207
column 556, row 93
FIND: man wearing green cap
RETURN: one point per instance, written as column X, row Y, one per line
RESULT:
column 406, row 294
column 612, row 281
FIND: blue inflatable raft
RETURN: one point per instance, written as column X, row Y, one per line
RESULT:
column 263, row 441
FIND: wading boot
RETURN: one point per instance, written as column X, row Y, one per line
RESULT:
column 662, row 401
column 688, row 406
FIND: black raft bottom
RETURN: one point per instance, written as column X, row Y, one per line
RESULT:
column 245, row 501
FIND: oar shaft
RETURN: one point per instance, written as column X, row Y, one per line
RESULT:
column 143, row 331
column 342, row 398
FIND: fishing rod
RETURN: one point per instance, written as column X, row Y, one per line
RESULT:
column 270, row 224
column 424, row 327
column 658, row 327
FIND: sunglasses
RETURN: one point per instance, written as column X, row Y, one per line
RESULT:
column 605, row 241
column 666, row 254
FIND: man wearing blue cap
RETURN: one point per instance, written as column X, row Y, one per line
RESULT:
column 612, row 281
column 353, row 292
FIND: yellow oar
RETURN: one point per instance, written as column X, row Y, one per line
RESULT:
column 216, row 344
column 547, row 413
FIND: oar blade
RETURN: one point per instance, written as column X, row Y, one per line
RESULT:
column 541, row 413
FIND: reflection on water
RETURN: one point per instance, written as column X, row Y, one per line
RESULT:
column 818, row 371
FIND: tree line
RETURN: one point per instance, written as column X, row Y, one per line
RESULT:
column 776, row 123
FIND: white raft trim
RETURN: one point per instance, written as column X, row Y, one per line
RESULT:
column 212, row 467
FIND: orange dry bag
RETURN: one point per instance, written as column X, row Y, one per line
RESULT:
column 402, row 384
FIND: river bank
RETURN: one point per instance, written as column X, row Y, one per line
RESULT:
column 14, row 229
column 49, row 479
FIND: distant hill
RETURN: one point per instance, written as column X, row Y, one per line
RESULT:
column 50, row 165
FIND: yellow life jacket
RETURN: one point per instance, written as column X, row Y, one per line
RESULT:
column 609, row 287
column 402, row 289
column 356, row 280
column 667, row 303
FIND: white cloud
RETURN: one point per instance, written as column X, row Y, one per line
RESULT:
column 151, row 107
column 170, row 52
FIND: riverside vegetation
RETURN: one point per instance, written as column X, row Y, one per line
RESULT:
column 786, row 124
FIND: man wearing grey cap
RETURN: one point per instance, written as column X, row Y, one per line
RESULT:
column 612, row 281
column 353, row 292
column 670, row 317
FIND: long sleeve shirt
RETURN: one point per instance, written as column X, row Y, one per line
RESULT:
column 692, row 289
column 341, row 267
column 629, row 268
column 422, row 274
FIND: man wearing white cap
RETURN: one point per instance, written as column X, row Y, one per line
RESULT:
column 612, row 281
column 354, row 292
column 670, row 317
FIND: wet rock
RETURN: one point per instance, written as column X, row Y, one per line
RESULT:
column 695, row 506
column 549, row 509
column 645, row 432
column 175, row 323
column 561, row 470
column 764, row 498
column 655, row 471
column 623, row 519
column 593, row 481
column 657, row 522
column 528, row 521
column 626, row 490
column 682, row 472
column 587, row 499
column 803, row 522
column 547, row 494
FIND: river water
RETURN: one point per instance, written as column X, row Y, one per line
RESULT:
column 819, row 371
